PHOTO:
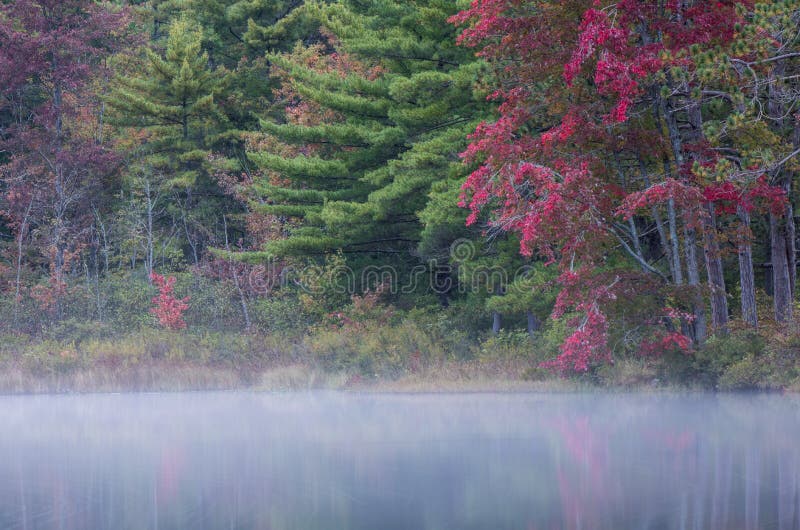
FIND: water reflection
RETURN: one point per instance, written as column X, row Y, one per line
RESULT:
column 330, row 461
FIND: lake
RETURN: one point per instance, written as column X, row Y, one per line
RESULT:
column 386, row 461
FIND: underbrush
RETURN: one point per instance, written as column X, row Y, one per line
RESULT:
column 359, row 356
column 148, row 359
column 379, row 349
column 764, row 360
column 746, row 360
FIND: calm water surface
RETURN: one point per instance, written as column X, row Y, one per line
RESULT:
column 343, row 461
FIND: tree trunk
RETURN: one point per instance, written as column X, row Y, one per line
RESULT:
column 669, row 244
column 668, row 110
column 781, row 230
column 637, row 245
column 496, row 322
column 61, row 201
column 693, row 273
column 93, row 275
column 18, row 280
column 242, row 297
column 791, row 232
column 675, row 266
column 192, row 243
column 534, row 324
column 711, row 251
column 104, row 235
column 716, row 279
column 791, row 245
column 746, row 275
column 781, row 277
column 150, row 258
column 59, row 235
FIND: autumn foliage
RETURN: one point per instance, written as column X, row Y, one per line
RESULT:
column 168, row 308
column 599, row 180
column 605, row 131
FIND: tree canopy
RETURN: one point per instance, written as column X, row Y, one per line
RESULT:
column 616, row 177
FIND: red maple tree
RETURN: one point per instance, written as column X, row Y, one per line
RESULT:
column 599, row 138
column 168, row 308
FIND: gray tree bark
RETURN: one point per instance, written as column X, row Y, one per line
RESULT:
column 781, row 278
column 699, row 327
column 782, row 230
column 236, row 282
column 534, row 324
column 746, row 275
column 496, row 322
column 716, row 279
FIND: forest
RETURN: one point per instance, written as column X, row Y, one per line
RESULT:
column 209, row 193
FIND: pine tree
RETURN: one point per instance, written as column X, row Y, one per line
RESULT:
column 395, row 125
column 236, row 35
column 172, row 99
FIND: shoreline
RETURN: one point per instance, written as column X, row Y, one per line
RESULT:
column 295, row 377
column 397, row 359
column 171, row 377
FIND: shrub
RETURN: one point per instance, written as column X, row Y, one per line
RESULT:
column 506, row 345
column 536, row 373
column 168, row 308
column 280, row 313
column 51, row 358
column 631, row 372
column 373, row 349
column 748, row 373
column 720, row 353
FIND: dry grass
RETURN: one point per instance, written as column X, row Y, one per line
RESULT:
column 449, row 377
column 445, row 377
column 468, row 376
column 296, row 377
column 402, row 359
column 150, row 377
column 166, row 375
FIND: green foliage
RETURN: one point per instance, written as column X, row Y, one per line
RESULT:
column 171, row 102
column 391, row 114
column 719, row 353
column 447, row 327
column 279, row 314
column 376, row 350
column 748, row 373
column 531, row 289
column 326, row 135
column 173, row 99
column 551, row 337
column 326, row 287
column 508, row 344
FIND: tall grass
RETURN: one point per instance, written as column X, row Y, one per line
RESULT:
column 404, row 354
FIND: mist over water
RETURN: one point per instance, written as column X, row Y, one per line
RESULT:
column 359, row 461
